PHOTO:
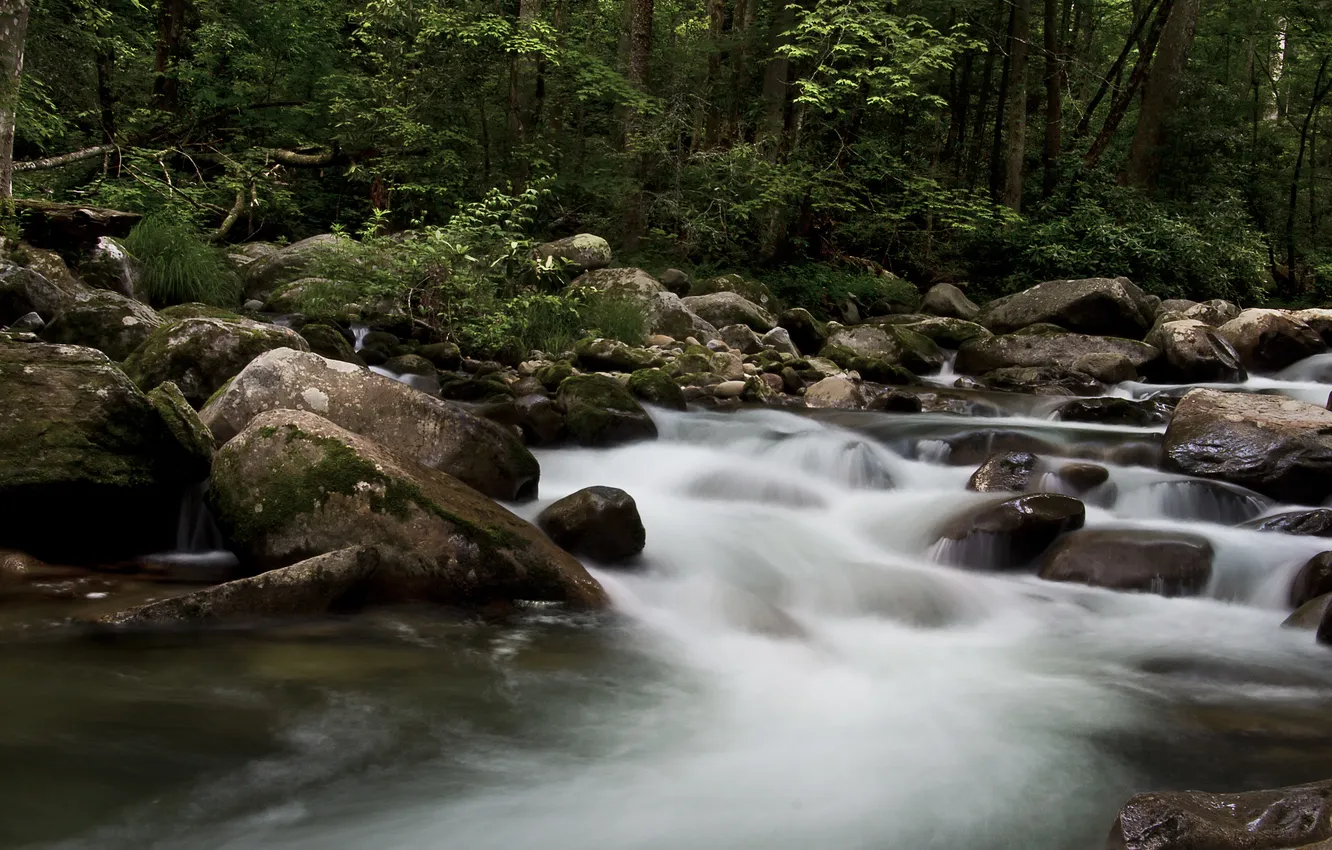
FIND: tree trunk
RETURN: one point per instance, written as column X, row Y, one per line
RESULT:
column 525, row 93
column 1054, row 107
column 771, row 134
column 106, row 101
column 1158, row 100
column 640, row 64
column 1121, row 104
column 1115, row 70
column 982, row 111
column 170, row 44
column 716, row 93
column 13, row 34
column 1000, row 110
column 1322, row 86
column 1016, row 118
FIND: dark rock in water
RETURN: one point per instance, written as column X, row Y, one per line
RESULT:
column 293, row 485
column 1194, row 353
column 601, row 523
column 470, row 388
column 1272, row 444
column 1133, row 453
column 1324, row 634
column 1116, row 411
column 1101, row 357
column 1162, row 562
column 1313, row 580
column 1281, row 819
column 1011, row 472
column 807, row 332
column 1314, row 523
column 444, row 355
column 676, row 281
column 1010, row 533
column 897, row 402
column 328, row 341
column 541, row 420
column 1271, row 340
column 974, row 447
column 201, row 355
column 80, row 443
column 379, row 344
column 1208, row 501
column 599, row 411
column 1310, row 615
column 1105, row 306
column 428, row 431
column 1081, row 477
column 656, row 387
column 412, row 364
column 1035, row 380
column 945, row 299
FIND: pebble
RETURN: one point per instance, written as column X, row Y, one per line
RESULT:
column 729, row 389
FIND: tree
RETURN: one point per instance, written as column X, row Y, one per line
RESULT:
column 1015, row 135
column 1159, row 97
column 13, row 37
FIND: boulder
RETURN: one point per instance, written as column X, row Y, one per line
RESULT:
column 1162, row 562
column 89, row 466
column 611, row 355
column 1312, row 523
column 838, row 392
column 1309, row 616
column 1010, row 533
column 945, row 299
column 1277, row 446
column 779, row 340
column 443, row 355
column 1271, row 340
column 807, row 332
column 1215, row 312
column 632, row 283
column 110, row 266
column 750, row 290
column 1037, row 380
column 540, row 419
column 287, row 264
column 1175, row 305
column 200, row 355
column 293, row 486
column 185, row 426
column 28, row 323
column 1098, row 306
column 601, row 523
column 195, row 310
column 1318, row 318
column 1281, row 819
column 677, row 282
column 667, row 315
column 600, row 412
column 104, row 320
column 1082, row 477
column 1194, row 353
column 328, row 341
column 728, row 308
column 891, row 344
column 1312, row 581
column 1115, row 411
column 1009, row 472
column 949, row 333
column 490, row 388
column 581, row 253
column 1070, row 352
column 431, row 432
column 656, row 387
column 740, row 338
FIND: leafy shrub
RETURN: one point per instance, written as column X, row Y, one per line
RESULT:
column 179, row 265
column 553, row 323
column 820, row 288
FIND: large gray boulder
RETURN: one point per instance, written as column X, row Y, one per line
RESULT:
column 107, row 321
column 1272, row 444
column 288, row 264
column 110, row 266
column 421, row 428
column 580, row 253
column 945, row 299
column 1271, row 340
column 1215, row 312
column 668, row 315
column 24, row 290
column 1192, row 352
column 628, row 282
column 200, row 355
column 1103, row 358
column 889, row 343
column 1162, row 562
column 89, row 467
column 293, row 485
column 1101, row 306
column 1281, row 819
column 728, row 308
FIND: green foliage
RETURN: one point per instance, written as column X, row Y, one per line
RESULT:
column 822, row 288
column 179, row 265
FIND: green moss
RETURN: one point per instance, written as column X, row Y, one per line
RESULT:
column 220, row 390
column 183, row 423
column 656, row 387
column 553, row 375
column 195, row 310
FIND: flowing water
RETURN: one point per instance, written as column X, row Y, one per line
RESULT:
column 788, row 667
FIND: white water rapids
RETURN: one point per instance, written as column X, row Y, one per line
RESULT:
column 788, row 669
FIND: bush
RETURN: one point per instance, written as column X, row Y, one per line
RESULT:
column 821, row 288
column 553, row 323
column 179, row 266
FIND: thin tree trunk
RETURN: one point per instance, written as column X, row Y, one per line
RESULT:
column 640, row 64
column 525, row 91
column 170, row 44
column 106, row 102
column 1016, row 141
column 716, row 59
column 997, row 172
column 13, row 35
column 982, row 115
column 1159, row 97
column 771, row 134
column 1054, row 107
column 1322, row 86
column 1119, row 108
column 1115, row 70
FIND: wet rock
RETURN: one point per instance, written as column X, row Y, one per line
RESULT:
column 656, row 387
column 1036, row 380
column 1082, row 477
column 1271, row 340
column 975, row 447
column 107, row 321
column 200, row 355
column 540, row 419
column 1320, row 319
column 1069, row 352
column 946, row 332
column 1115, row 411
column 1012, row 533
column 728, row 308
column 424, row 429
column 837, row 392
column 1310, row 615
column 791, row 380
column 740, row 338
column 807, row 332
column 444, row 355
column 611, row 355
column 945, row 299
column 89, row 468
column 1194, row 353
column 293, row 485
column 1315, row 523
column 897, row 402
column 1312, row 581
column 599, row 411
column 1099, row 306
column 601, row 523
column 1161, row 562
column 328, row 341
column 1274, row 445
column 1281, row 819
column 584, row 252
column 415, row 371
column 677, row 282
column 287, row 264
column 1010, row 472
column 890, row 344
column 28, row 323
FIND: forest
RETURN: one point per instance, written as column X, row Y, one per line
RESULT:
column 994, row 143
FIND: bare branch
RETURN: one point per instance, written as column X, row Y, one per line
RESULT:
column 63, row 159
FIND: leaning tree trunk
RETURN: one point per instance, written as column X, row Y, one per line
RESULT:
column 13, row 33
column 1160, row 95
column 1015, row 141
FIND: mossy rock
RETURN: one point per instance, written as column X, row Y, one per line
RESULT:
column 382, row 341
column 553, row 375
column 292, row 486
column 444, row 355
column 688, row 364
column 195, row 310
column 580, row 253
column 200, row 355
column 468, row 388
column 889, row 343
column 654, row 386
column 750, row 290
column 699, row 379
column 185, row 425
column 611, row 355
column 882, row 372
column 328, row 341
column 946, row 332
column 411, row 364
column 600, row 411
column 807, row 333
column 107, row 321
column 406, row 347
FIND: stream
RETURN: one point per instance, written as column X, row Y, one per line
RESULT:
column 791, row 667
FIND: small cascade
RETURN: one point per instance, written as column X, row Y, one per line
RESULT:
column 1193, row 501
column 200, row 554
column 359, row 333
column 427, row 384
